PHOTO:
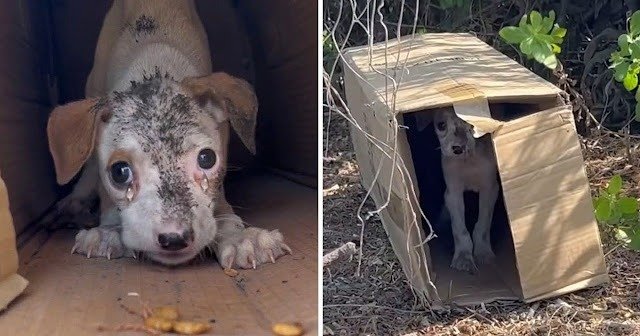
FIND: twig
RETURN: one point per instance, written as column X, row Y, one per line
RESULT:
column 343, row 252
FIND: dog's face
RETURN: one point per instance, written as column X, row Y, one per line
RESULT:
column 455, row 135
column 162, row 154
column 162, row 159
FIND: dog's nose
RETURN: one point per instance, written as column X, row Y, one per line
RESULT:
column 457, row 149
column 174, row 241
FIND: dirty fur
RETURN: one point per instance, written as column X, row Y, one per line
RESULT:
column 148, row 118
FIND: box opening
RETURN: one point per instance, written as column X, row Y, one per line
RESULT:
column 492, row 282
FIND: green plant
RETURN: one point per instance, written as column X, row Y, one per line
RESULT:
column 619, row 212
column 538, row 37
column 625, row 62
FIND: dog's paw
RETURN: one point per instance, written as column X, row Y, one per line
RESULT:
column 99, row 242
column 252, row 247
column 483, row 253
column 463, row 261
column 72, row 212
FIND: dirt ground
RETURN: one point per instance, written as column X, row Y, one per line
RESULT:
column 380, row 302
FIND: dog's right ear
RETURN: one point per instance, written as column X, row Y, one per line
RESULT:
column 71, row 130
column 423, row 120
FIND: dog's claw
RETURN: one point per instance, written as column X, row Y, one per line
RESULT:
column 273, row 260
column 286, row 248
column 74, row 248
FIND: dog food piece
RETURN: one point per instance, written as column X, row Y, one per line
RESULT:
column 159, row 323
column 287, row 329
column 190, row 327
column 230, row 272
column 166, row 312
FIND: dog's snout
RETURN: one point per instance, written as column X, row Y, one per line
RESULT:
column 174, row 241
column 457, row 149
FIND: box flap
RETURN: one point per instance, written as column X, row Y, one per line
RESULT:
column 11, row 284
column 435, row 70
column 548, row 203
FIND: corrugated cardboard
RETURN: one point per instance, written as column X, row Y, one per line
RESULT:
column 554, row 245
column 11, row 284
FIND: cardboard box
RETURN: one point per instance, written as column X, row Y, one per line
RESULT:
column 547, row 240
column 72, row 295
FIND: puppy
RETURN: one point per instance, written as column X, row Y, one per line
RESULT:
column 152, row 137
column 468, row 164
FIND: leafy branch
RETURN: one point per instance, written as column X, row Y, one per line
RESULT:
column 538, row 37
column 625, row 62
column 619, row 212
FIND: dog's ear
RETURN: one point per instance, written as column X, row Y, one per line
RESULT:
column 71, row 130
column 423, row 119
column 235, row 96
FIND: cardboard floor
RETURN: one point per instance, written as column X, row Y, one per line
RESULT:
column 71, row 295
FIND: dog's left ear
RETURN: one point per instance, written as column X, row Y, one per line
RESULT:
column 235, row 96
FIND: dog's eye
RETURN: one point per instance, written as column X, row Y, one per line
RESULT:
column 441, row 125
column 121, row 173
column 206, row 158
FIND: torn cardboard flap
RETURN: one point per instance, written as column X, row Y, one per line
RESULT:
column 477, row 113
column 11, row 284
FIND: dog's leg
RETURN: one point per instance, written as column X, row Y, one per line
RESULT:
column 482, row 231
column 462, row 256
column 104, row 240
column 245, row 247
column 76, row 207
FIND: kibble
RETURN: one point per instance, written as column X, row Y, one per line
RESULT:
column 190, row 327
column 287, row 329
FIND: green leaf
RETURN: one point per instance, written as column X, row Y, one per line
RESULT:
column 635, row 50
column 555, row 48
column 513, row 34
column 637, row 96
column 634, row 24
column 558, row 31
column 547, row 23
column 615, row 185
column 536, row 20
column 603, row 212
column 551, row 61
column 526, row 46
column 620, row 71
column 634, row 242
column 623, row 41
column 628, row 205
column 523, row 21
column 637, row 113
column 630, row 81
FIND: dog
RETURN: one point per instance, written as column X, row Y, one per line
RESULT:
column 468, row 164
column 151, row 140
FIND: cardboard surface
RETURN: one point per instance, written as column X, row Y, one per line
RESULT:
column 70, row 294
column 435, row 70
column 25, row 162
column 11, row 284
column 549, row 203
column 555, row 244
column 285, row 50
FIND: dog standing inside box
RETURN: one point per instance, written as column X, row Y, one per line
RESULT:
column 151, row 139
column 467, row 164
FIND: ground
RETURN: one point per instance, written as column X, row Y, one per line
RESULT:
column 380, row 302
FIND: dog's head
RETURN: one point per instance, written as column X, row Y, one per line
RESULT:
column 454, row 134
column 161, row 148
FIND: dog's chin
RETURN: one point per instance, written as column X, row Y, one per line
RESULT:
column 173, row 258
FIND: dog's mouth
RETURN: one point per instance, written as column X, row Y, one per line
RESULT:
column 173, row 257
